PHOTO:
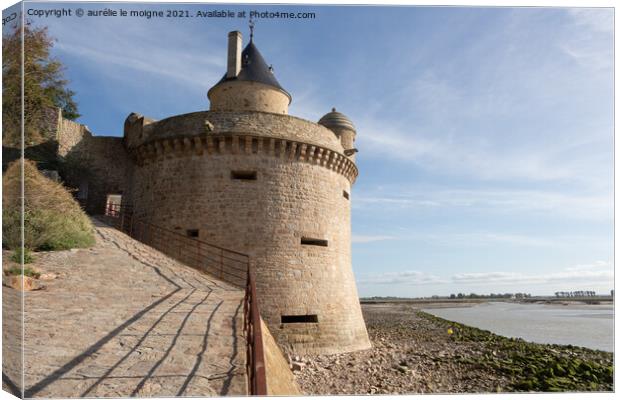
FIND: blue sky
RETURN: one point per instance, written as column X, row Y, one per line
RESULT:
column 485, row 134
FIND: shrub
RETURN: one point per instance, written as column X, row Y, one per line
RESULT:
column 53, row 220
column 17, row 256
column 27, row 271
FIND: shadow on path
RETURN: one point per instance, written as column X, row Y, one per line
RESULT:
column 151, row 331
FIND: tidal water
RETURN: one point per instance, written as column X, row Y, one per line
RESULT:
column 589, row 326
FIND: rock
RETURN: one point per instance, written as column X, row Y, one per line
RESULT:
column 27, row 284
column 297, row 366
column 48, row 276
column 402, row 369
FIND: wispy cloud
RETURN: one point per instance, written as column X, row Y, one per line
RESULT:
column 599, row 272
column 589, row 267
column 489, row 239
column 578, row 276
column 595, row 19
column 576, row 206
column 134, row 53
column 370, row 238
column 175, row 66
column 523, row 115
column 405, row 277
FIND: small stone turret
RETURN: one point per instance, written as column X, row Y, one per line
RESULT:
column 344, row 129
column 249, row 83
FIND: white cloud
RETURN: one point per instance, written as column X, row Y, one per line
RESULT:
column 370, row 238
column 404, row 277
column 599, row 272
column 591, row 266
column 492, row 239
column 595, row 19
column 575, row 276
column 574, row 206
column 489, row 155
column 523, row 114
column 131, row 53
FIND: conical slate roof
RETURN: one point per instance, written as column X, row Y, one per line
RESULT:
column 334, row 119
column 255, row 69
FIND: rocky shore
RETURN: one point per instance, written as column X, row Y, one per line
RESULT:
column 415, row 352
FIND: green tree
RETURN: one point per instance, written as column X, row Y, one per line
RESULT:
column 45, row 87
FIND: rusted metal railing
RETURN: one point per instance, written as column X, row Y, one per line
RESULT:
column 227, row 265
column 257, row 376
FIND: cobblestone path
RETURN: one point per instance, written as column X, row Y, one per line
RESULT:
column 124, row 320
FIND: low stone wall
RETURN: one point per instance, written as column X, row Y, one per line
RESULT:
column 280, row 379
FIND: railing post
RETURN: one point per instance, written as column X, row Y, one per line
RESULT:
column 258, row 356
column 131, row 225
column 197, row 261
column 221, row 263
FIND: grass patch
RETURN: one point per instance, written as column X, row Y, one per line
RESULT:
column 27, row 272
column 532, row 366
column 53, row 220
column 17, row 256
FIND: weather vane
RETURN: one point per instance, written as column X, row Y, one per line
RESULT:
column 251, row 29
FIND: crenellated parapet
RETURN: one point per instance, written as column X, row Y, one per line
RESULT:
column 240, row 144
column 139, row 129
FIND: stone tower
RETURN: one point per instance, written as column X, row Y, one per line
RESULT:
column 247, row 176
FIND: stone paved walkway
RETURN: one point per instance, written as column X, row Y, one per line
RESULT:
column 124, row 320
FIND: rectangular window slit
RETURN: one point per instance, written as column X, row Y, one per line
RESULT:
column 243, row 175
column 300, row 319
column 313, row 242
column 345, row 194
column 192, row 233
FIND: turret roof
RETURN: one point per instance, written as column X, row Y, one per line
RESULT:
column 255, row 69
column 335, row 119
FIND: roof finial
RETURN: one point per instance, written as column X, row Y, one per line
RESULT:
column 251, row 29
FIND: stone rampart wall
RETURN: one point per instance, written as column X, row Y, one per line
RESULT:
column 250, row 123
column 267, row 216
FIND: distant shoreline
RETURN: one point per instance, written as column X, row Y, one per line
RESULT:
column 455, row 303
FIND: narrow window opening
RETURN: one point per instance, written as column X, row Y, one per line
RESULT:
column 313, row 242
column 300, row 319
column 243, row 175
column 193, row 233
column 345, row 194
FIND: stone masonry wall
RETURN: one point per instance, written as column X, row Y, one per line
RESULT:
column 94, row 166
column 252, row 123
column 267, row 217
column 69, row 134
column 108, row 163
column 248, row 96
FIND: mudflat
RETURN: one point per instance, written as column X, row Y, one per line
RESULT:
column 415, row 352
